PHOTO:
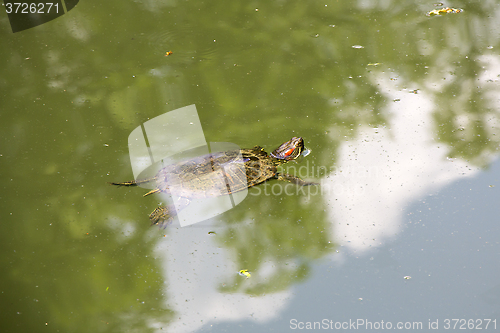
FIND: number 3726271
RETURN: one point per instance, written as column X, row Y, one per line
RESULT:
column 470, row 324
column 31, row 8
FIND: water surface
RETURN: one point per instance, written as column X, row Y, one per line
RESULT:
column 400, row 111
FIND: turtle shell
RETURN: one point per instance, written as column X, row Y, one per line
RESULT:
column 217, row 174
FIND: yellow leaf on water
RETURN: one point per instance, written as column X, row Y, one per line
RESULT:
column 444, row 11
column 244, row 272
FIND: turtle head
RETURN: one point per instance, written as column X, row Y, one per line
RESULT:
column 289, row 150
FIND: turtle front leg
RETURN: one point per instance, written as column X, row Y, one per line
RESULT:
column 294, row 180
column 163, row 216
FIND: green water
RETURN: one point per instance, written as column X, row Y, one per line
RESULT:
column 80, row 256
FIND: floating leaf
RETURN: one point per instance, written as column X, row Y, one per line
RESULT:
column 444, row 11
column 244, row 272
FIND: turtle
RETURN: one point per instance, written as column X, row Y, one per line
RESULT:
column 185, row 179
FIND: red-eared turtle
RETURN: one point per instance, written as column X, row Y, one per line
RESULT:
column 186, row 179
